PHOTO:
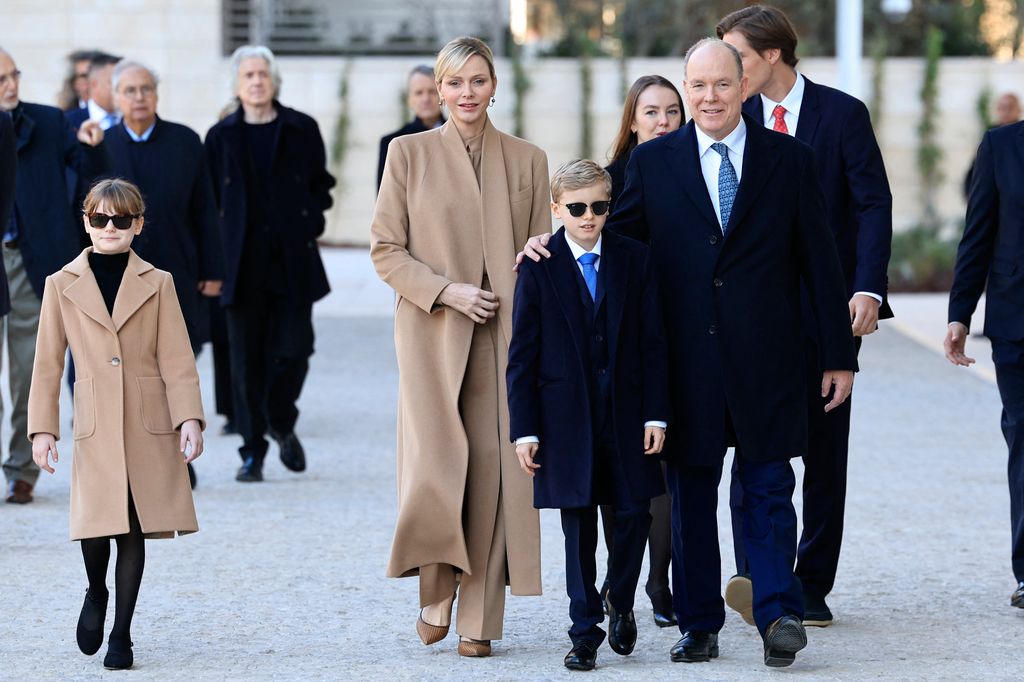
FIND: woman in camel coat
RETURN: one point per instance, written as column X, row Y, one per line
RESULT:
column 138, row 414
column 455, row 205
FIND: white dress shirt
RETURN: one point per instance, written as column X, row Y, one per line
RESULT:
column 711, row 161
column 578, row 251
column 791, row 103
column 105, row 118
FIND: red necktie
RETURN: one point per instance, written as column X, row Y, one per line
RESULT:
column 780, row 121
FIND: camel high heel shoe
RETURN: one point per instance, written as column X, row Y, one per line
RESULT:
column 431, row 634
column 474, row 648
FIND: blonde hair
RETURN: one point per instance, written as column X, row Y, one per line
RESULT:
column 578, row 174
column 455, row 54
column 121, row 196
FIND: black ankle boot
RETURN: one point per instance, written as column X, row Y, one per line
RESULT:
column 251, row 470
column 90, row 623
column 119, row 655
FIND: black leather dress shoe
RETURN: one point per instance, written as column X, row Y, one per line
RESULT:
column 621, row 631
column 251, row 470
column 816, row 611
column 784, row 638
column 695, row 647
column 664, row 613
column 582, row 656
column 292, row 455
column 119, row 655
column 1017, row 599
column 90, row 623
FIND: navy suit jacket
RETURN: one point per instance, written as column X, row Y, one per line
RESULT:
column 852, row 175
column 547, row 380
column 992, row 247
column 76, row 117
column 8, row 171
column 732, row 302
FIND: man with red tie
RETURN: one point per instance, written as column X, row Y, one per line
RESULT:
column 859, row 208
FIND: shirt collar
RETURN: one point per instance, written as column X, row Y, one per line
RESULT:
column 139, row 138
column 96, row 112
column 734, row 140
column 578, row 250
column 791, row 102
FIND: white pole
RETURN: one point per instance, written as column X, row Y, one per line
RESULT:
column 850, row 44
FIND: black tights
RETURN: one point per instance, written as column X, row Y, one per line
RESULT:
column 131, row 560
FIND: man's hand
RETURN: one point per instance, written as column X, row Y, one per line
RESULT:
column 44, row 446
column 526, row 452
column 864, row 314
column 90, row 133
column 210, row 287
column 473, row 302
column 534, row 249
column 842, row 380
column 654, row 439
column 955, row 344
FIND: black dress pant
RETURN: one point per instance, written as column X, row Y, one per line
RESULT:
column 1008, row 357
column 271, row 341
column 222, row 387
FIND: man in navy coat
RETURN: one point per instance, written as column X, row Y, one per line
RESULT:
column 859, row 208
column 991, row 258
column 735, row 218
column 8, row 169
column 42, row 236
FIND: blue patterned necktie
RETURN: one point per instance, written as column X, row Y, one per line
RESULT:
column 587, row 260
column 727, row 184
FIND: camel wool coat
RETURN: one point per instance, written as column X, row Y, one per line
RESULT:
column 426, row 235
column 136, row 384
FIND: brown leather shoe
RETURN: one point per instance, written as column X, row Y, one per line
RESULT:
column 474, row 648
column 19, row 492
column 430, row 634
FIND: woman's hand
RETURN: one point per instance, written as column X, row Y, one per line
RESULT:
column 473, row 302
column 192, row 435
column 534, row 250
column 44, row 446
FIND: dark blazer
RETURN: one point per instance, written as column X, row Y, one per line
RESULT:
column 181, row 234
column 617, row 169
column 301, row 193
column 547, row 380
column 50, row 226
column 8, row 171
column 992, row 247
column 76, row 117
column 410, row 128
column 732, row 302
column 852, row 175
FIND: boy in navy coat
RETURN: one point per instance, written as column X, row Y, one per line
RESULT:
column 588, row 399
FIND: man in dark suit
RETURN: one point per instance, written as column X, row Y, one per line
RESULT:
column 42, row 236
column 859, row 208
column 992, row 252
column 8, row 171
column 421, row 98
column 100, row 107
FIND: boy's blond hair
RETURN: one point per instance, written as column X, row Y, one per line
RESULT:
column 577, row 174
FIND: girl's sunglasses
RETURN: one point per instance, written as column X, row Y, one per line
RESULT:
column 577, row 209
column 121, row 222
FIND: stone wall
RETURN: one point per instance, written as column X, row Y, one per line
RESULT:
column 181, row 39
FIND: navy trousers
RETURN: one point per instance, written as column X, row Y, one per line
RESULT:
column 1008, row 357
column 768, row 535
column 632, row 524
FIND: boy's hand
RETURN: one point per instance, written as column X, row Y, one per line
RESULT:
column 654, row 439
column 44, row 446
column 526, row 452
column 534, row 249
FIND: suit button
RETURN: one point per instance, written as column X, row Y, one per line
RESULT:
column 266, row 228
column 598, row 338
column 227, row 179
column 115, row 361
column 713, row 239
column 602, row 371
column 305, row 213
column 717, row 282
column 713, row 329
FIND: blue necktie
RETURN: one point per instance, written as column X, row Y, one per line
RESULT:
column 727, row 184
column 587, row 260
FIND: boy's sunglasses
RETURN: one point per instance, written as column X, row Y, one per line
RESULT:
column 578, row 208
column 121, row 222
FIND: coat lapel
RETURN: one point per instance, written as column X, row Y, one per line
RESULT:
column 84, row 292
column 562, row 270
column 616, row 271
column 495, row 218
column 24, row 129
column 685, row 161
column 810, row 113
column 133, row 292
column 758, row 165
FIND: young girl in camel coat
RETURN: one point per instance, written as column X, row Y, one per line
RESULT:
column 138, row 414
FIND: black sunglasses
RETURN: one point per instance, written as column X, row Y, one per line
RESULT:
column 578, row 208
column 121, row 222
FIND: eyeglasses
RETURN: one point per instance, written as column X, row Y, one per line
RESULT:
column 121, row 222
column 10, row 77
column 130, row 91
column 578, row 208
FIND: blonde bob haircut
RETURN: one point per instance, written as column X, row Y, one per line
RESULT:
column 455, row 54
column 121, row 196
column 578, row 174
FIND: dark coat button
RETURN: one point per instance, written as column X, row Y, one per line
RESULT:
column 227, row 179
column 713, row 329
column 718, row 282
column 305, row 213
column 713, row 239
column 602, row 371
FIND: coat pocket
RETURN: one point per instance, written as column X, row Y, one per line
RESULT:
column 84, row 409
column 156, row 414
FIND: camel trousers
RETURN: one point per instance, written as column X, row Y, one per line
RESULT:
column 481, row 593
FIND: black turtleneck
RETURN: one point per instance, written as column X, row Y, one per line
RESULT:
column 108, row 269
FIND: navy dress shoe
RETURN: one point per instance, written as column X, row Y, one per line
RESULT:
column 90, row 623
column 695, row 647
column 293, row 456
column 251, row 470
column 621, row 631
column 784, row 638
column 582, row 656
column 1017, row 598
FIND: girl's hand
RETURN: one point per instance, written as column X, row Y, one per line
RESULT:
column 44, row 446
column 192, row 435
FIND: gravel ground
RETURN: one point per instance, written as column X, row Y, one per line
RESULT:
column 286, row 578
